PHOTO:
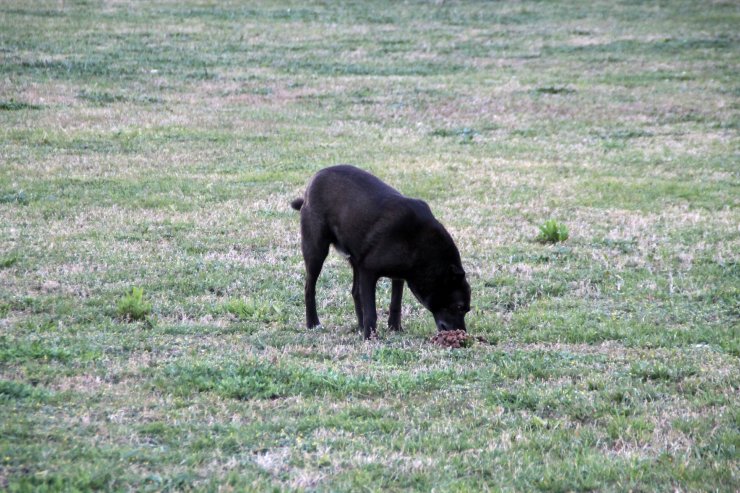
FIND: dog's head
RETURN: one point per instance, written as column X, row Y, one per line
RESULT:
column 449, row 300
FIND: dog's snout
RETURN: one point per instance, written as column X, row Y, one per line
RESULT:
column 449, row 323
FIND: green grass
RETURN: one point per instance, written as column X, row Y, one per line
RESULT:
column 159, row 144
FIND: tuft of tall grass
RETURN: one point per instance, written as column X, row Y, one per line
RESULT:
column 552, row 231
column 133, row 306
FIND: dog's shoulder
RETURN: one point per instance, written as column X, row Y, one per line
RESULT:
column 408, row 215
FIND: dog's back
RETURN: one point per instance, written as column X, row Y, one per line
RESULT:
column 347, row 184
column 355, row 207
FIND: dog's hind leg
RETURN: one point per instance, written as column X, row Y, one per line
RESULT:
column 356, row 292
column 394, row 317
column 315, row 249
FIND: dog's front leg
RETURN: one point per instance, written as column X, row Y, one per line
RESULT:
column 394, row 317
column 367, row 297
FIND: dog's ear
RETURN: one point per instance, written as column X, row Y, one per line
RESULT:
column 457, row 271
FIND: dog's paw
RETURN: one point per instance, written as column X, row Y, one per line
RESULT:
column 373, row 336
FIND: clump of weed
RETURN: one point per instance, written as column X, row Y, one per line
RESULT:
column 14, row 105
column 15, row 391
column 555, row 90
column 552, row 232
column 253, row 310
column 132, row 306
column 8, row 260
column 465, row 134
column 19, row 197
column 100, row 98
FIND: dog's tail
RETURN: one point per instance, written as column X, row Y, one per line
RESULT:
column 297, row 203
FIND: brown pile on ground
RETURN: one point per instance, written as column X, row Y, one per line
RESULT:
column 455, row 339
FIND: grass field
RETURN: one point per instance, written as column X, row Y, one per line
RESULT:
column 157, row 145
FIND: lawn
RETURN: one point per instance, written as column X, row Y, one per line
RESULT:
column 151, row 283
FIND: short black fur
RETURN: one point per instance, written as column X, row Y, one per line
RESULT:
column 383, row 234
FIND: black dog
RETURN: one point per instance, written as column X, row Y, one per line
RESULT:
column 382, row 234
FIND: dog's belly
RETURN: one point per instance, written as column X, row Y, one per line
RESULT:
column 341, row 250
